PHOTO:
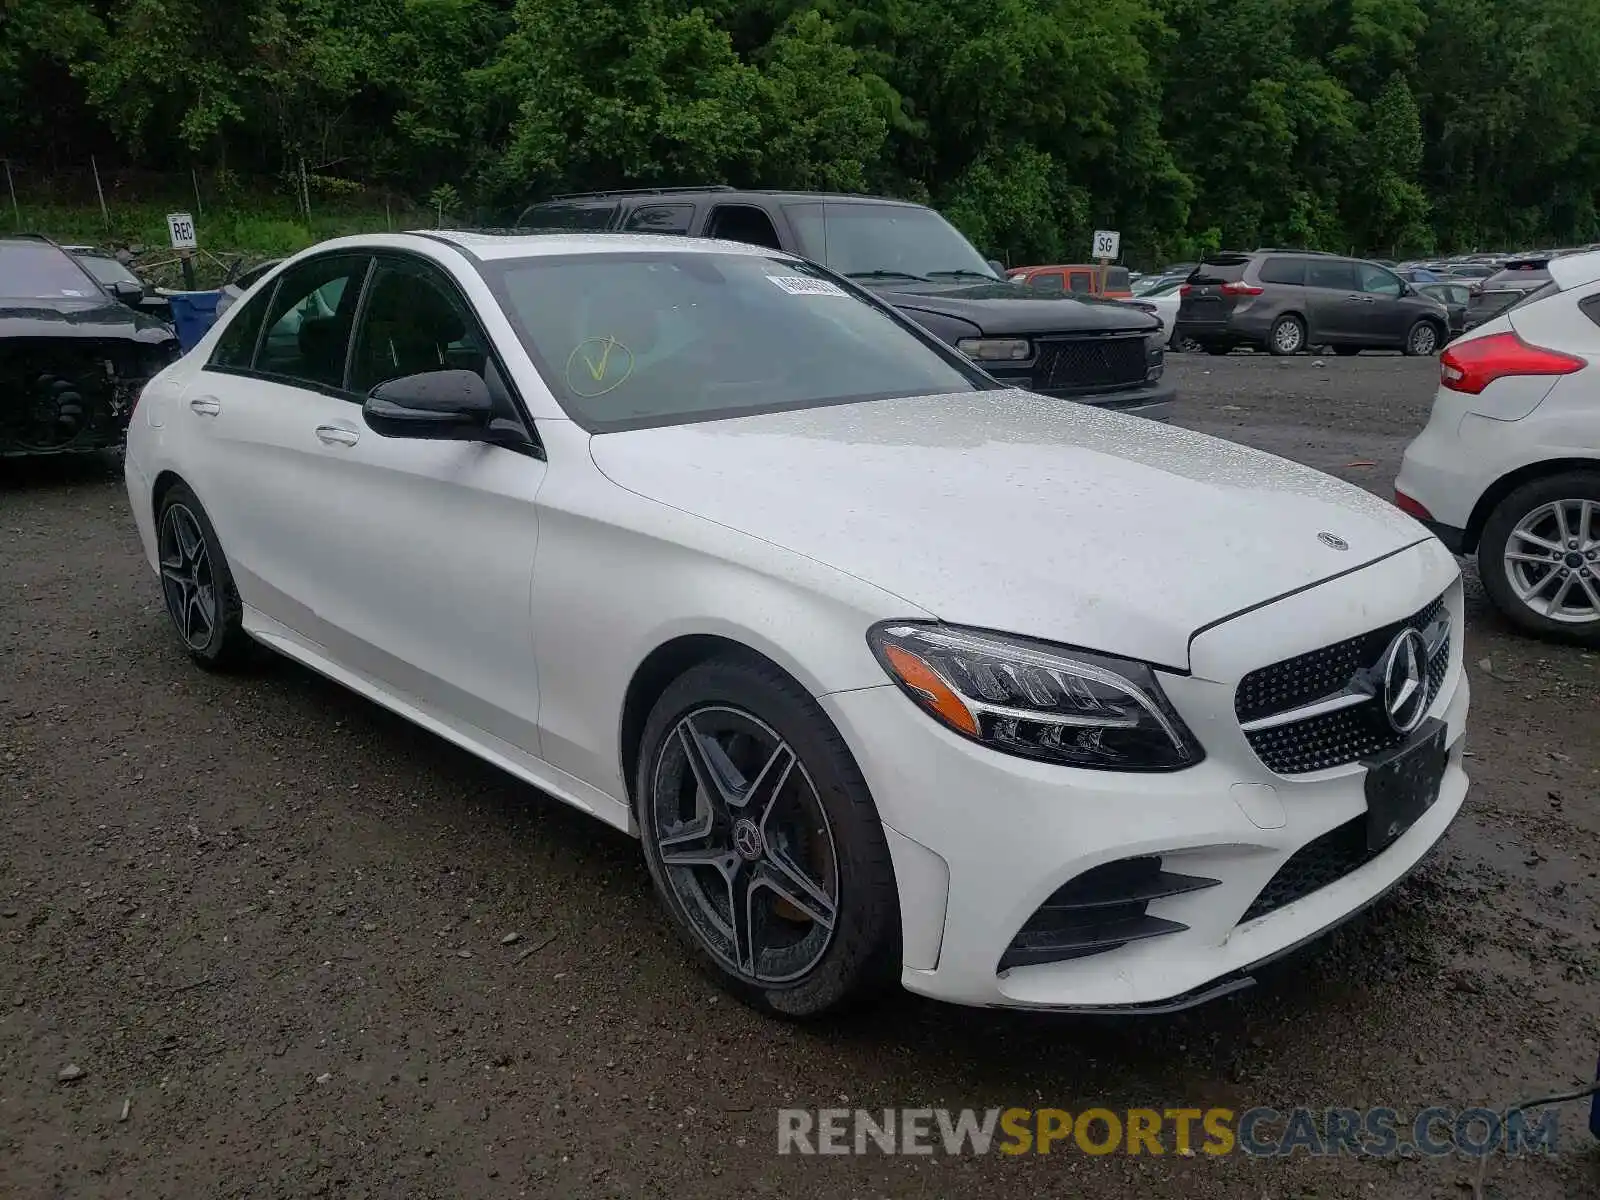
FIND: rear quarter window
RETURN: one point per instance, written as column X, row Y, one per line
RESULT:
column 561, row 214
column 1283, row 270
column 1117, row 279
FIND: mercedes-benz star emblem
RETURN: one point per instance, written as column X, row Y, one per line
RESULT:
column 1333, row 541
column 1405, row 685
column 747, row 839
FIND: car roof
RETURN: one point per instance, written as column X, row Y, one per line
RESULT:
column 492, row 245
column 1575, row 270
column 721, row 192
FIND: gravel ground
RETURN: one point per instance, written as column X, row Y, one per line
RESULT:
column 271, row 923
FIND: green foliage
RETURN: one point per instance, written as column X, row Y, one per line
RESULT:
column 1385, row 126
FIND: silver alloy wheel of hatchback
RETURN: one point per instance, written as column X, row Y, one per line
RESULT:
column 1552, row 561
column 745, row 845
column 1288, row 336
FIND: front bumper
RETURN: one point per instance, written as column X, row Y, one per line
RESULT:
column 980, row 840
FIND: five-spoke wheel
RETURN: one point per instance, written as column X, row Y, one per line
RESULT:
column 763, row 841
column 196, row 583
column 1539, row 556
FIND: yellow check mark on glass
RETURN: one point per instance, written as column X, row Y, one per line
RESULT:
column 597, row 370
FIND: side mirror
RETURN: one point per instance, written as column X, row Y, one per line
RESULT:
column 437, row 405
column 127, row 291
column 997, row 267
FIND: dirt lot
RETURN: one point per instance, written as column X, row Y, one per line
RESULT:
column 268, row 921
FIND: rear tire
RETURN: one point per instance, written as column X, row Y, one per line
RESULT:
column 197, row 585
column 1526, row 525
column 1288, row 336
column 807, row 863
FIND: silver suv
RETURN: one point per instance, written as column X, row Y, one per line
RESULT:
column 1285, row 301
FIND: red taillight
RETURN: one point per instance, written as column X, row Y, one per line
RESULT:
column 1239, row 289
column 1472, row 366
column 1185, row 289
column 1407, row 505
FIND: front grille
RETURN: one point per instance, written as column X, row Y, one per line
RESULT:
column 1084, row 364
column 1315, row 865
column 1101, row 910
column 1330, row 739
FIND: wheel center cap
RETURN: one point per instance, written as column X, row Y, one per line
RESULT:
column 747, row 839
column 1574, row 559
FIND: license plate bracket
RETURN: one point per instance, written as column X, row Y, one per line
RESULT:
column 1403, row 783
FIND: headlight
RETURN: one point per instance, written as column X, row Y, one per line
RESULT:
column 1036, row 700
column 994, row 349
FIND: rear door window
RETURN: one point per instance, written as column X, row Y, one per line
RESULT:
column 1332, row 273
column 1117, row 279
column 1080, row 282
column 1284, row 270
column 1047, row 281
column 308, row 323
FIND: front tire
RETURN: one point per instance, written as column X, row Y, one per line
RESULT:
column 1288, row 336
column 1539, row 557
column 1423, row 339
column 201, row 599
column 763, row 842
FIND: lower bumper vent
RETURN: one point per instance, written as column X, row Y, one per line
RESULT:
column 1100, row 910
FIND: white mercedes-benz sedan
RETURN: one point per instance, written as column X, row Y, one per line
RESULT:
column 896, row 673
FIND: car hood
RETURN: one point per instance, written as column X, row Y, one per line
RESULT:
column 75, row 318
column 1001, row 308
column 1012, row 512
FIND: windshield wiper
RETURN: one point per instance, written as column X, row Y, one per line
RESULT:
column 962, row 271
column 881, row 274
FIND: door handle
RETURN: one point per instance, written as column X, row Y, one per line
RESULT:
column 337, row 435
column 205, row 406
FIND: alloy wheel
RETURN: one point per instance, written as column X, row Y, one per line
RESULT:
column 186, row 578
column 745, row 844
column 1552, row 561
column 1288, row 336
column 1424, row 339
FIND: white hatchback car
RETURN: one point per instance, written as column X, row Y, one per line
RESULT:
column 1508, row 466
column 897, row 673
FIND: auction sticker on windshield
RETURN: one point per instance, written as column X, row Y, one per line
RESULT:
column 805, row 285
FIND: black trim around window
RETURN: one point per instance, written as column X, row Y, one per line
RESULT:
column 375, row 258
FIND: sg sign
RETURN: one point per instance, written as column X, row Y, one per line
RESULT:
column 1107, row 242
column 181, row 227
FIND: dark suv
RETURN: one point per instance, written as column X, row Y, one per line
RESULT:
column 1285, row 301
column 1099, row 351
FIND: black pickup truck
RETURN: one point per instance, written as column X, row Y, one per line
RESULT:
column 1097, row 351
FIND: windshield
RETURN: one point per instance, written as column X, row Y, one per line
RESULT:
column 39, row 271
column 1158, row 287
column 888, row 241
column 629, row 340
column 108, row 270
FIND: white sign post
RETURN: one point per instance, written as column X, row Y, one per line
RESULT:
column 1107, row 242
column 181, row 226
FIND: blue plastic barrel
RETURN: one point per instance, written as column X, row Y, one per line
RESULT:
column 192, row 314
